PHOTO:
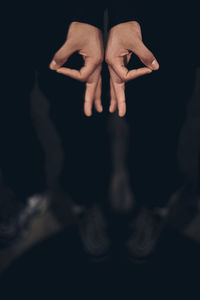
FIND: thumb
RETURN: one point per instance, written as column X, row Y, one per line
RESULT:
column 62, row 55
column 146, row 56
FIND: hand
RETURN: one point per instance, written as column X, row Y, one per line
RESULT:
column 87, row 41
column 124, row 39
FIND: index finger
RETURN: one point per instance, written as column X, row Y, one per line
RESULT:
column 119, row 90
column 90, row 91
column 82, row 74
column 62, row 55
column 126, row 75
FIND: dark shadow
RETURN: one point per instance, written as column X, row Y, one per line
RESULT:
column 60, row 265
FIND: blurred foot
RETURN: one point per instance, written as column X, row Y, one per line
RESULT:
column 93, row 232
column 35, row 205
column 146, row 230
column 183, row 207
column 10, row 210
column 16, row 215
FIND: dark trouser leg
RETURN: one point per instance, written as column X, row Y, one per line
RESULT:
column 22, row 157
column 33, row 34
column 85, row 173
column 156, row 111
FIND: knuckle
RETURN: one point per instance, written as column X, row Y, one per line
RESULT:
column 87, row 101
column 136, row 24
column 82, row 79
column 101, row 59
column 59, row 59
column 100, row 68
column 108, row 60
column 98, row 60
column 122, row 86
column 123, row 78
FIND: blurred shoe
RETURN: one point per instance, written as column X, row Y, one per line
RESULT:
column 35, row 205
column 146, row 230
column 15, row 215
column 183, row 207
column 9, row 213
column 93, row 233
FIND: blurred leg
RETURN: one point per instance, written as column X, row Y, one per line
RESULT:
column 156, row 111
column 85, row 174
column 21, row 157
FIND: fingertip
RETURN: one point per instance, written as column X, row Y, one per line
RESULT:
column 88, row 114
column 155, row 65
column 146, row 72
column 121, row 113
column 61, row 71
column 122, row 110
column 149, row 71
column 111, row 109
column 100, row 109
column 53, row 65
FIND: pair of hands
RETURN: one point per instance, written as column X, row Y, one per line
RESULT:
column 123, row 40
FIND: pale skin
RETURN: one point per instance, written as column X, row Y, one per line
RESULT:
column 123, row 39
column 87, row 41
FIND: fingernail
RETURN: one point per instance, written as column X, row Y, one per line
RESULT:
column 53, row 65
column 111, row 110
column 121, row 114
column 88, row 113
column 155, row 64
